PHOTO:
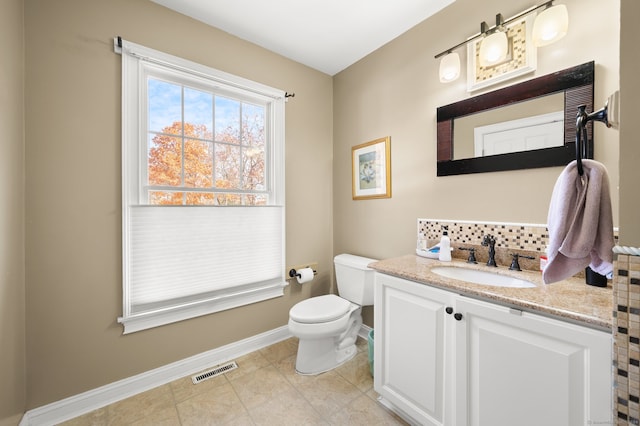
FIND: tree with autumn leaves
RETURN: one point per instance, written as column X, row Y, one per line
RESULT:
column 206, row 168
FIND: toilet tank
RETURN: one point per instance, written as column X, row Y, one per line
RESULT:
column 354, row 278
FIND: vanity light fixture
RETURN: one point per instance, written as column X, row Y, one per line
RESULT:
column 495, row 46
column 549, row 26
column 450, row 67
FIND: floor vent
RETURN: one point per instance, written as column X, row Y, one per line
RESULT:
column 221, row 369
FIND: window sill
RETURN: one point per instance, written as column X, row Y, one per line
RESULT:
column 146, row 320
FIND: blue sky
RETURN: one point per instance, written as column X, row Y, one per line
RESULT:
column 165, row 107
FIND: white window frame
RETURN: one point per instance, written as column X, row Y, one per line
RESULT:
column 250, row 281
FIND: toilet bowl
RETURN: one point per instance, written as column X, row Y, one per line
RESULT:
column 327, row 326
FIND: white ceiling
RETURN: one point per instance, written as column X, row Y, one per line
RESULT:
column 327, row 35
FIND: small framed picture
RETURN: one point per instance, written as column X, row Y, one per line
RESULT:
column 521, row 57
column 371, row 169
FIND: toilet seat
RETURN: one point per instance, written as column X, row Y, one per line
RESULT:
column 319, row 309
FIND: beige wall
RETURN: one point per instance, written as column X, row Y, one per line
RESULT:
column 395, row 91
column 629, row 130
column 73, row 243
column 12, row 285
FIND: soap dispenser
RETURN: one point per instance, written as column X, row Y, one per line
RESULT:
column 445, row 246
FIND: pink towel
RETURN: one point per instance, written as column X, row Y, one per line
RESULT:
column 580, row 223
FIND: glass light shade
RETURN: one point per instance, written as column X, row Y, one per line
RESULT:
column 449, row 68
column 493, row 48
column 550, row 25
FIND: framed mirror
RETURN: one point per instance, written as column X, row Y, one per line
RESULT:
column 501, row 130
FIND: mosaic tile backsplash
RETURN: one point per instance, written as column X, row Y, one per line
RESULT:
column 509, row 236
column 522, row 238
column 626, row 344
column 525, row 239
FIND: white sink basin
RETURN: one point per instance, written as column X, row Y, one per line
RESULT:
column 481, row 277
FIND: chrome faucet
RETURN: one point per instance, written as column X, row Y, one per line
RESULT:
column 490, row 240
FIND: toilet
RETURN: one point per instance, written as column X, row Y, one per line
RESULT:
column 327, row 326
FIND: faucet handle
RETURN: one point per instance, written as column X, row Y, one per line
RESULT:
column 515, row 266
column 472, row 254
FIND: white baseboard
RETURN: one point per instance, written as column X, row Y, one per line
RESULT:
column 364, row 331
column 86, row 402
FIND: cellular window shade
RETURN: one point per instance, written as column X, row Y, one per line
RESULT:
column 180, row 255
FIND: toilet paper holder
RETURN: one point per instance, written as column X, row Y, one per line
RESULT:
column 293, row 273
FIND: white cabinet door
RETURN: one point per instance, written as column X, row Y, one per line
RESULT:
column 411, row 348
column 515, row 368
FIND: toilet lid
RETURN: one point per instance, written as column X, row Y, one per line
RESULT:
column 319, row 309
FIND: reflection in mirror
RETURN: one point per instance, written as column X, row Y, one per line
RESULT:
column 535, row 124
column 527, row 125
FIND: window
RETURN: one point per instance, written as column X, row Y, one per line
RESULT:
column 203, row 148
column 203, row 189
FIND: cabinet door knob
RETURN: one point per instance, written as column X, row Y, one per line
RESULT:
column 449, row 310
column 457, row 316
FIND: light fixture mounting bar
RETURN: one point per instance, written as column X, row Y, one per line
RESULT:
column 485, row 30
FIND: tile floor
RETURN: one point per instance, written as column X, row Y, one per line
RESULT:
column 264, row 390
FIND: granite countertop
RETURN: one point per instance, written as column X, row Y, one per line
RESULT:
column 571, row 300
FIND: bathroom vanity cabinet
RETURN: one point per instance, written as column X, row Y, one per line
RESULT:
column 446, row 359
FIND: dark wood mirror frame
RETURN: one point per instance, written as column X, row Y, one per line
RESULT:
column 577, row 83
